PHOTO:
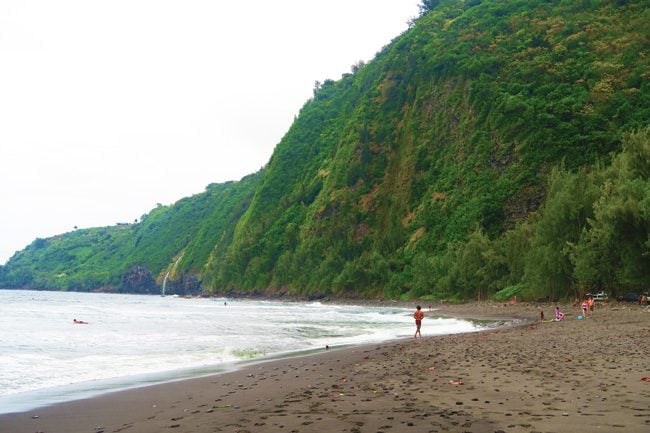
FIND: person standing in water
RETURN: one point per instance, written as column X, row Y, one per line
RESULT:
column 418, row 316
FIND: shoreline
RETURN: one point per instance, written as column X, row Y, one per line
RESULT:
column 533, row 377
column 63, row 394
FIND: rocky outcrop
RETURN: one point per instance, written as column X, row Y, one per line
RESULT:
column 138, row 279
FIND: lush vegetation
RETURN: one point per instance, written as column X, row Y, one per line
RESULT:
column 495, row 148
column 591, row 233
column 135, row 257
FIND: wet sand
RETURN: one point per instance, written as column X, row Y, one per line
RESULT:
column 571, row 376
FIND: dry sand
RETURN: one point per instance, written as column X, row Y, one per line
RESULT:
column 572, row 376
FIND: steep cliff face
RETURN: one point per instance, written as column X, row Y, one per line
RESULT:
column 470, row 158
column 138, row 279
column 454, row 126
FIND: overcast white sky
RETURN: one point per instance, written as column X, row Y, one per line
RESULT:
column 110, row 107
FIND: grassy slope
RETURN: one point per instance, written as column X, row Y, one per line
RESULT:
column 98, row 257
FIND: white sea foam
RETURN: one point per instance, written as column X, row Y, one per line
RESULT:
column 133, row 340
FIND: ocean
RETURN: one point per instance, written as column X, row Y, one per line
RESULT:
column 136, row 340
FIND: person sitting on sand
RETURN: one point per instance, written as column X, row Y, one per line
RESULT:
column 418, row 316
column 558, row 314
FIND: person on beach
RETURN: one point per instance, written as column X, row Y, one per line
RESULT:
column 585, row 308
column 592, row 304
column 418, row 316
column 558, row 314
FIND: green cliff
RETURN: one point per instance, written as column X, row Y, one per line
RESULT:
column 495, row 148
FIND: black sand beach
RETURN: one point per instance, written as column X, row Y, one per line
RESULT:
column 571, row 376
